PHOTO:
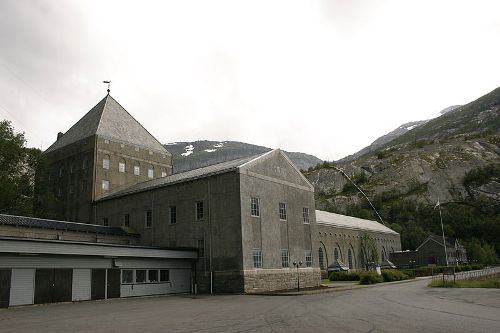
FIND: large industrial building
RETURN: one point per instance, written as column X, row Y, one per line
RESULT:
column 237, row 226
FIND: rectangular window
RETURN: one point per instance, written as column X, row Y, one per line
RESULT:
column 105, row 185
column 105, row 163
column 137, row 170
column 105, row 221
column 282, row 211
column 121, row 166
column 164, row 275
column 309, row 258
column 254, row 207
column 151, row 173
column 153, row 275
column 199, row 210
column 127, row 276
column 173, row 214
column 305, row 215
column 285, row 261
column 149, row 219
column 126, row 220
column 201, row 248
column 257, row 258
column 164, row 174
column 140, row 276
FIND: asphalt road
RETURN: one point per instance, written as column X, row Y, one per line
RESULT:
column 406, row 307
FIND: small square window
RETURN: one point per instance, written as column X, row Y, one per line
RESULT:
column 105, row 163
column 140, row 276
column 149, row 219
column 127, row 276
column 163, row 173
column 105, row 185
column 309, row 259
column 137, row 170
column 164, row 275
column 151, row 173
column 153, row 275
column 173, row 214
column 199, row 211
column 305, row 215
column 254, row 207
column 285, row 261
column 282, row 211
column 121, row 166
column 257, row 258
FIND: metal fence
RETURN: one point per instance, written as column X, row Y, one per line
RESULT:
column 467, row 275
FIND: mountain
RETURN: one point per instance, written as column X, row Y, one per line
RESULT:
column 384, row 139
column 453, row 159
column 197, row 154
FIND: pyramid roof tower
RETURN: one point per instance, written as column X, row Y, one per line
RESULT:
column 108, row 119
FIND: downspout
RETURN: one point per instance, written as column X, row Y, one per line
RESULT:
column 210, row 236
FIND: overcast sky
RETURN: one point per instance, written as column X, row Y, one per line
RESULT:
column 322, row 77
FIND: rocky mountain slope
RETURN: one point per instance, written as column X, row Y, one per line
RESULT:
column 454, row 158
column 197, row 154
column 384, row 139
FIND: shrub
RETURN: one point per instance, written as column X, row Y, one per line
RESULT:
column 476, row 267
column 344, row 276
column 390, row 275
column 370, row 278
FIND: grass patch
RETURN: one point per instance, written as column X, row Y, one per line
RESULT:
column 486, row 282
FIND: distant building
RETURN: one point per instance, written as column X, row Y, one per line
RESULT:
column 431, row 252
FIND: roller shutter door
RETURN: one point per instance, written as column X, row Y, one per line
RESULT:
column 81, row 284
column 21, row 287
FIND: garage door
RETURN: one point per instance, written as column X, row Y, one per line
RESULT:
column 4, row 287
column 53, row 285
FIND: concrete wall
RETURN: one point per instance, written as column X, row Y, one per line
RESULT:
column 331, row 237
column 274, row 180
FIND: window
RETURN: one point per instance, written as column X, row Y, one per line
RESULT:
column 285, row 262
column 105, row 162
column 137, row 170
column 71, row 168
column 163, row 173
column 61, row 171
column 173, row 214
column 164, row 275
column 126, row 220
column 305, row 215
column 105, row 185
column 121, row 166
column 199, row 210
column 335, row 254
column 349, row 258
column 71, row 189
column 151, row 172
column 321, row 259
column 127, row 276
column 254, row 207
column 153, row 275
column 140, row 276
column 149, row 219
column 257, row 258
column 309, row 258
column 201, row 248
column 282, row 211
column 84, row 163
column 105, row 221
column 59, row 192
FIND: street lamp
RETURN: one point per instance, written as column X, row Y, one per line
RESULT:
column 297, row 265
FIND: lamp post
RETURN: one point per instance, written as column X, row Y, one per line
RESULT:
column 297, row 265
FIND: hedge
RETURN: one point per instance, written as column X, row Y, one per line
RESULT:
column 344, row 276
column 370, row 278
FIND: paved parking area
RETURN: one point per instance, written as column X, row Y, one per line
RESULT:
column 407, row 307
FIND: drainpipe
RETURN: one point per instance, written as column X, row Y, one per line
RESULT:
column 210, row 235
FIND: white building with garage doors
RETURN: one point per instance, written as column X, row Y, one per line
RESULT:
column 35, row 269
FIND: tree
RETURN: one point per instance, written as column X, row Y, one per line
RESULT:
column 17, row 172
column 369, row 251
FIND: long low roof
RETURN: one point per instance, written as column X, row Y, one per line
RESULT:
column 349, row 222
column 54, row 247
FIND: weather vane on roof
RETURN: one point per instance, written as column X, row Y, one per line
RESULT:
column 109, row 85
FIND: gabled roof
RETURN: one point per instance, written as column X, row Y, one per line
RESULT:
column 32, row 222
column 450, row 242
column 110, row 120
column 349, row 222
column 181, row 177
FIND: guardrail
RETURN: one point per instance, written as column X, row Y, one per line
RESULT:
column 467, row 274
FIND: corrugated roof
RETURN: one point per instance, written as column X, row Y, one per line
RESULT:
column 32, row 222
column 349, row 222
column 207, row 171
column 110, row 120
